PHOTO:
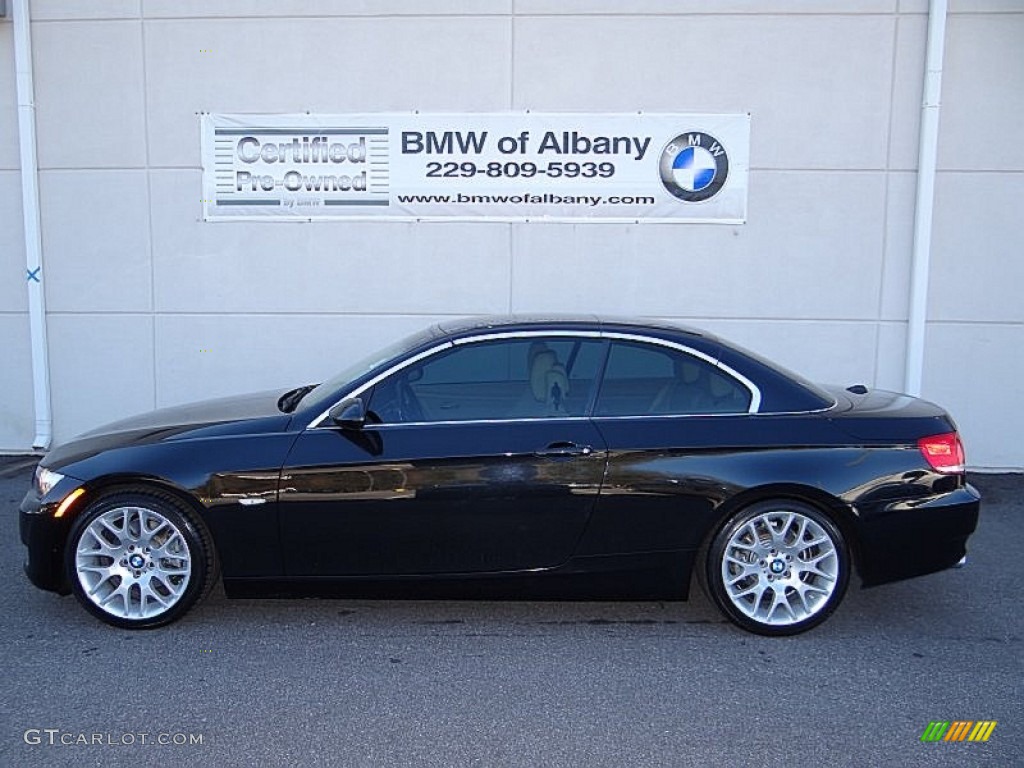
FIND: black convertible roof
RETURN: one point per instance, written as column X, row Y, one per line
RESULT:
column 458, row 327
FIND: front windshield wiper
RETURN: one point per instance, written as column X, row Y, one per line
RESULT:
column 290, row 399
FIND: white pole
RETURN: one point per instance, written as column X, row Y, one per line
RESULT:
column 30, row 212
column 917, row 319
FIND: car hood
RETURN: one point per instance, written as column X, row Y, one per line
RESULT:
column 251, row 413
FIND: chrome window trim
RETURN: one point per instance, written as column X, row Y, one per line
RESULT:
column 753, row 389
column 514, row 420
column 548, row 419
column 527, row 335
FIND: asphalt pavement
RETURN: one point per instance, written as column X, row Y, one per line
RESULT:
column 406, row 683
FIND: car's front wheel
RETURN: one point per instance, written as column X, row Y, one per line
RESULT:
column 777, row 567
column 138, row 559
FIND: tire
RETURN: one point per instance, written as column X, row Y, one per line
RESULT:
column 777, row 567
column 139, row 558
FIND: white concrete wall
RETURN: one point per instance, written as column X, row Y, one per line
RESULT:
column 150, row 306
column 975, row 353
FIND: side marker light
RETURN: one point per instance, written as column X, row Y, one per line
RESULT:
column 68, row 501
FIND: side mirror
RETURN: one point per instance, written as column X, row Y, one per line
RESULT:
column 349, row 414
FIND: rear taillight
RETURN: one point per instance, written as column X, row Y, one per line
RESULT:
column 945, row 452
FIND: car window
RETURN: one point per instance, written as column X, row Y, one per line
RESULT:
column 323, row 394
column 642, row 379
column 498, row 379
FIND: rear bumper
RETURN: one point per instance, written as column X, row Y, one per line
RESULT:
column 913, row 538
column 43, row 535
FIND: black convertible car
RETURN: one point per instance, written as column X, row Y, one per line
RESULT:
column 512, row 457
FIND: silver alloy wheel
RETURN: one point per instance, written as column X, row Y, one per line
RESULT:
column 133, row 562
column 780, row 568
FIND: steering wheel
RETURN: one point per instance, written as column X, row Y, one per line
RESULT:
column 408, row 403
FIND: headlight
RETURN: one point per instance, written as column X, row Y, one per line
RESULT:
column 46, row 479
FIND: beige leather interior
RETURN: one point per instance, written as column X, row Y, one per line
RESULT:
column 556, row 385
column 542, row 364
column 549, row 382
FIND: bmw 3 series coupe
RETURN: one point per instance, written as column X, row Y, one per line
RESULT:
column 518, row 458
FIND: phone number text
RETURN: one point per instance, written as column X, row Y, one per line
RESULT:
column 526, row 170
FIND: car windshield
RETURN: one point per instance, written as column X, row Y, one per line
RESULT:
column 321, row 396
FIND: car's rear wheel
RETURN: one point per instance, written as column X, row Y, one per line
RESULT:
column 777, row 567
column 139, row 558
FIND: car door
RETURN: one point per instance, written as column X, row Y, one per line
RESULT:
column 477, row 459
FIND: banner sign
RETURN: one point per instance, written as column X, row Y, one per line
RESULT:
column 490, row 167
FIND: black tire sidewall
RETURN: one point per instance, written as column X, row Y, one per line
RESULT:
column 174, row 512
column 712, row 566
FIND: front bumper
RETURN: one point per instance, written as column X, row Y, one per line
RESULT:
column 44, row 535
column 913, row 538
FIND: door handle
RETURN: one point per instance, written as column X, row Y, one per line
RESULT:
column 564, row 450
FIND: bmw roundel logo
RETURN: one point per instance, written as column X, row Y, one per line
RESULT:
column 694, row 166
